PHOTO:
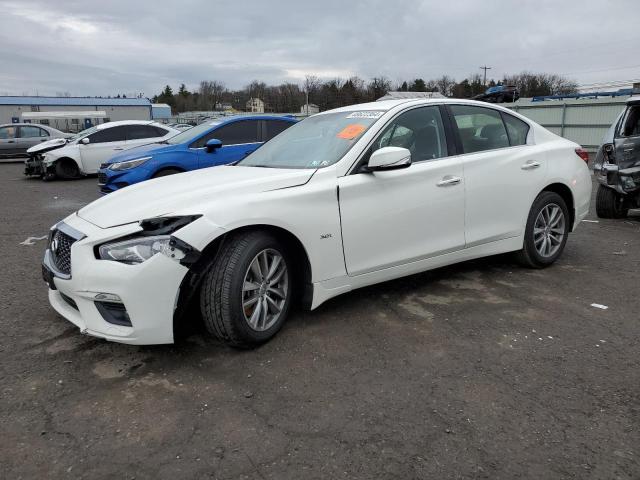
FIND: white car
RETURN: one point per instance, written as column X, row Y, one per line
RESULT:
column 84, row 152
column 343, row 199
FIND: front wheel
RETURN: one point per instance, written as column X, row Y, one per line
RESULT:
column 546, row 232
column 66, row 168
column 246, row 294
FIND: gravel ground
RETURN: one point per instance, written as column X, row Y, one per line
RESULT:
column 479, row 370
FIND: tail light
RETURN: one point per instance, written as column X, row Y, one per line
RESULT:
column 583, row 154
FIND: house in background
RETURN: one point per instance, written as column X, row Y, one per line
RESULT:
column 309, row 109
column 254, row 105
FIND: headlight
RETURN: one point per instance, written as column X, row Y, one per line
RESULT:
column 137, row 250
column 129, row 164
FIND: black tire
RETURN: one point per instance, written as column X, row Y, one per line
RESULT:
column 66, row 168
column 529, row 256
column 221, row 292
column 165, row 172
column 609, row 203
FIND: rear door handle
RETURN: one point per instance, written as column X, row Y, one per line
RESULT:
column 449, row 180
column 530, row 165
column 118, row 148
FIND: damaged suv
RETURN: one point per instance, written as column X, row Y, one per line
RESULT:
column 617, row 165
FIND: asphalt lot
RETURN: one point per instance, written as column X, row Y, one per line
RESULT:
column 480, row 370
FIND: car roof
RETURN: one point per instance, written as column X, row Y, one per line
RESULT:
column 22, row 124
column 386, row 105
column 236, row 118
column 118, row 123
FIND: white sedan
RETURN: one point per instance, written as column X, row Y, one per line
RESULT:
column 84, row 152
column 343, row 199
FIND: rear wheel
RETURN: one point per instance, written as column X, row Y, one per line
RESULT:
column 164, row 173
column 246, row 294
column 546, row 231
column 609, row 203
column 66, row 168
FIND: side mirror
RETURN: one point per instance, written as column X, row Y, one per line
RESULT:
column 389, row 158
column 213, row 144
column 85, row 141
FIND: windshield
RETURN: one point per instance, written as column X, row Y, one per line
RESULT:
column 192, row 133
column 315, row 142
column 82, row 134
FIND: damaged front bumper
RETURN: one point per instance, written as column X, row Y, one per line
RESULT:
column 34, row 166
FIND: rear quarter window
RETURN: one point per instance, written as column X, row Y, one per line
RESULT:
column 516, row 129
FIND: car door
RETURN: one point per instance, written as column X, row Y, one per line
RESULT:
column 30, row 135
column 503, row 173
column 8, row 140
column 102, row 145
column 400, row 216
column 239, row 139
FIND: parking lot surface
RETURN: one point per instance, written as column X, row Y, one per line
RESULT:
column 480, row 370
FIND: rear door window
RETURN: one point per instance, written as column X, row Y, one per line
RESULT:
column 113, row 134
column 244, row 131
column 274, row 127
column 140, row 132
column 516, row 129
column 31, row 132
column 480, row 128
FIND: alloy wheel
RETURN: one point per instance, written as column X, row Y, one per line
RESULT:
column 265, row 289
column 549, row 230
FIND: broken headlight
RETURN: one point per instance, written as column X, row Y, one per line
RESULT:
column 139, row 249
column 154, row 238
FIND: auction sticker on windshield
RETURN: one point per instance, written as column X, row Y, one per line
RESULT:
column 366, row 114
column 351, row 131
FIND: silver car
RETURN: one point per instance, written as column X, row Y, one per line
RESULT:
column 16, row 138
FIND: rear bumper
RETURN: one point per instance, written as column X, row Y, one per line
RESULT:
column 146, row 292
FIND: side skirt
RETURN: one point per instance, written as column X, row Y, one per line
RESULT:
column 323, row 291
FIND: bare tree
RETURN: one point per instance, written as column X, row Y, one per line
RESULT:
column 210, row 94
column 445, row 85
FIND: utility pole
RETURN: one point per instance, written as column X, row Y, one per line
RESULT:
column 485, row 68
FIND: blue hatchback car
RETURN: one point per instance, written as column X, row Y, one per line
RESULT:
column 212, row 143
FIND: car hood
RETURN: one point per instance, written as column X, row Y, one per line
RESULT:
column 142, row 150
column 48, row 145
column 188, row 193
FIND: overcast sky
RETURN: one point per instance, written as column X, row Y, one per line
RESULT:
column 88, row 47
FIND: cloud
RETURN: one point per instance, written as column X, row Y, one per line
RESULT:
column 101, row 48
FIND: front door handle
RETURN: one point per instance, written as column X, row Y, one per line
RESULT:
column 449, row 180
column 118, row 148
column 530, row 165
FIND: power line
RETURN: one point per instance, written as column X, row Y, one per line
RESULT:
column 602, row 70
column 485, row 68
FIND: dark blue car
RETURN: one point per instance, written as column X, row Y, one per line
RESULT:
column 215, row 142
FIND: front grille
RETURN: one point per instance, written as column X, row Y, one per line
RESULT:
column 61, row 251
column 102, row 178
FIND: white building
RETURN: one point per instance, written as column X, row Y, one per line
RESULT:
column 310, row 109
column 255, row 105
column 72, row 113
